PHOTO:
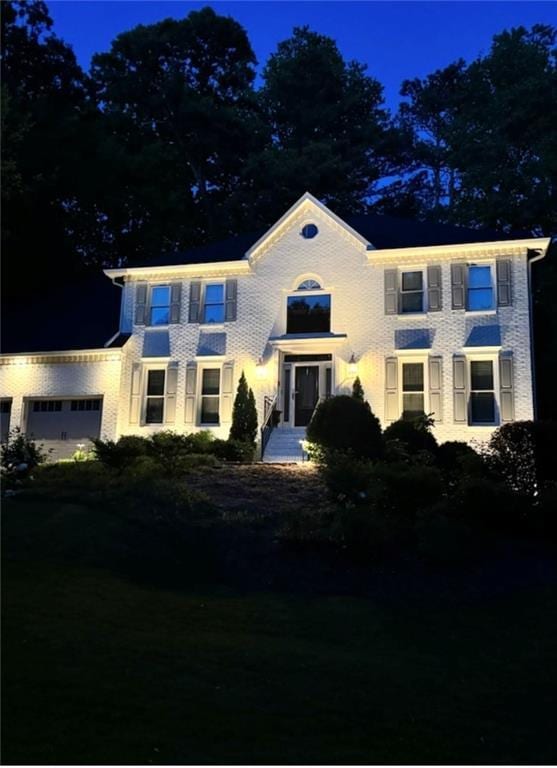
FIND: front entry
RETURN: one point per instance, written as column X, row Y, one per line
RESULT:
column 306, row 393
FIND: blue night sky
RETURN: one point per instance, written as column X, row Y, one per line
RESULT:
column 397, row 40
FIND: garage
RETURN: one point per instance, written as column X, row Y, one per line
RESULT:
column 63, row 419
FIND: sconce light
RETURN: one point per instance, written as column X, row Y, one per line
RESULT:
column 261, row 369
column 352, row 366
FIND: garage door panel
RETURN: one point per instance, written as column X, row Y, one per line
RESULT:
column 75, row 419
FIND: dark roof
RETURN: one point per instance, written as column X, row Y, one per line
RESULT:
column 380, row 231
column 80, row 311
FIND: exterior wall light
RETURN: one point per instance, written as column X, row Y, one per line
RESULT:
column 261, row 369
column 352, row 366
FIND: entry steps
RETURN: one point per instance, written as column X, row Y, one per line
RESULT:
column 284, row 445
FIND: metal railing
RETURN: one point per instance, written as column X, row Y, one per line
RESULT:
column 268, row 422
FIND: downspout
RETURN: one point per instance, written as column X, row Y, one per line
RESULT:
column 540, row 255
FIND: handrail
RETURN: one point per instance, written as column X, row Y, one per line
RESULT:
column 268, row 425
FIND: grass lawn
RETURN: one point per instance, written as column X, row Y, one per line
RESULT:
column 102, row 668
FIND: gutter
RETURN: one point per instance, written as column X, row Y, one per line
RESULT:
column 540, row 254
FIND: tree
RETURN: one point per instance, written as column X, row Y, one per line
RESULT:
column 244, row 414
column 358, row 390
column 330, row 131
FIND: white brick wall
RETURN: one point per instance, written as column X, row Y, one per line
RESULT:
column 355, row 279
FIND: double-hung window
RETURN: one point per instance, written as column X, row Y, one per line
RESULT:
column 480, row 288
column 412, row 292
column 154, row 405
column 210, row 396
column 160, row 305
column 412, row 390
column 482, row 392
column 213, row 305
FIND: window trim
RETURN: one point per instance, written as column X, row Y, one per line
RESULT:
column 406, row 358
column 304, row 294
column 494, row 360
column 152, row 286
column 400, row 272
column 492, row 270
column 199, row 409
column 145, row 383
column 203, row 304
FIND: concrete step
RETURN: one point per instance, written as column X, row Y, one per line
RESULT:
column 284, row 446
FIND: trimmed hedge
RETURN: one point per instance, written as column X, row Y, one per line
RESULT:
column 343, row 423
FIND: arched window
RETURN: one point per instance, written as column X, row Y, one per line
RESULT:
column 309, row 285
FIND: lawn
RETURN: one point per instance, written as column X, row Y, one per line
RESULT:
column 104, row 665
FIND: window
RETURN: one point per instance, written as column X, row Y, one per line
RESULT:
column 213, row 307
column 47, row 406
column 5, row 406
column 482, row 392
column 308, row 314
column 210, row 396
column 160, row 305
column 309, row 231
column 412, row 292
column 309, row 285
column 86, row 405
column 412, row 390
column 480, row 288
column 154, row 406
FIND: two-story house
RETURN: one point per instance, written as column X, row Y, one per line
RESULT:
column 431, row 318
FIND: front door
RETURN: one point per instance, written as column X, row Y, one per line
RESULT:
column 306, row 393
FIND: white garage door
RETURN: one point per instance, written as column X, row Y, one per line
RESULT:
column 72, row 420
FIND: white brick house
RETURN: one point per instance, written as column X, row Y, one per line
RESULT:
column 443, row 328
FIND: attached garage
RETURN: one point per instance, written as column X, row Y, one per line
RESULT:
column 64, row 421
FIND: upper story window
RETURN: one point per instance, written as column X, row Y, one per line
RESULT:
column 482, row 392
column 308, row 314
column 412, row 292
column 309, row 231
column 160, row 305
column 309, row 285
column 213, row 305
column 154, row 405
column 480, row 288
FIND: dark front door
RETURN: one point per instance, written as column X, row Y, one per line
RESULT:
column 306, row 393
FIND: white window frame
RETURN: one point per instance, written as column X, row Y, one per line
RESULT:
column 150, row 324
column 288, row 294
column 494, row 360
column 401, row 271
column 200, row 368
column 144, row 395
column 207, row 323
column 492, row 272
column 402, row 359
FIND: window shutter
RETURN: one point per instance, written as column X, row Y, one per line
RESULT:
column 460, row 397
column 227, row 395
column 506, row 384
column 434, row 289
column 135, row 393
column 436, row 387
column 195, row 301
column 191, row 379
column 231, row 297
column 504, row 286
column 171, row 388
column 391, row 291
column 140, row 303
column 391, row 389
column 458, row 286
column 175, row 301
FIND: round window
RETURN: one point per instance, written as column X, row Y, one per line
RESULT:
column 309, row 231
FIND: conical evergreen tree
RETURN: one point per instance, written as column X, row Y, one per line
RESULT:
column 244, row 413
column 358, row 390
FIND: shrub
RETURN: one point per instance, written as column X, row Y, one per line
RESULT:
column 358, row 390
column 20, row 454
column 233, row 450
column 523, row 452
column 489, row 504
column 346, row 476
column 405, row 489
column 201, row 442
column 455, row 459
column 120, row 453
column 343, row 423
column 244, row 414
column 414, row 435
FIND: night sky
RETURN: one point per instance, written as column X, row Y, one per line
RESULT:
column 397, row 40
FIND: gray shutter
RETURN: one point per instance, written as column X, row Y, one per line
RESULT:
column 504, row 285
column 392, row 411
column 436, row 388
column 195, row 302
column 460, row 396
column 140, row 303
column 135, row 393
column 391, row 291
column 458, row 286
column 227, row 394
column 175, row 301
column 506, row 384
column 231, row 297
column 171, row 388
column 191, row 380
column 434, row 289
